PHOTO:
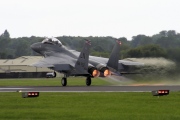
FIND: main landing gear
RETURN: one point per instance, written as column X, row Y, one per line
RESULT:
column 88, row 81
column 64, row 81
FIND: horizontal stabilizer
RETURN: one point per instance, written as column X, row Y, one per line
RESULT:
column 129, row 63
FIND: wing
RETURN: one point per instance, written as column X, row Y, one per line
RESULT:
column 105, row 60
column 124, row 62
column 52, row 61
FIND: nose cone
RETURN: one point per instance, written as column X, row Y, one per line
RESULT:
column 32, row 46
column 35, row 47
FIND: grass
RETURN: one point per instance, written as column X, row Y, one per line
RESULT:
column 85, row 106
column 80, row 81
column 90, row 106
column 77, row 81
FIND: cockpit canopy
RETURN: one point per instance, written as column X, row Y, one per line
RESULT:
column 54, row 41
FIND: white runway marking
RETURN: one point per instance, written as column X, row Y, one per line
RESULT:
column 91, row 91
column 13, row 88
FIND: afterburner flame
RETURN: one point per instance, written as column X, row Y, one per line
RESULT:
column 107, row 73
column 95, row 73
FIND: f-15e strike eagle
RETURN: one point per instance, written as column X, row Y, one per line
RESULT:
column 73, row 63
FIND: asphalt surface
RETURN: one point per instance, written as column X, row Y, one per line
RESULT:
column 88, row 88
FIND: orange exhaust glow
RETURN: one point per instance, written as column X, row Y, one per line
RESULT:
column 95, row 73
column 107, row 73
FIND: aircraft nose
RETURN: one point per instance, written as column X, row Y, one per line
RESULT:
column 35, row 46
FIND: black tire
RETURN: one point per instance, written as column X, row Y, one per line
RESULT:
column 88, row 81
column 64, row 81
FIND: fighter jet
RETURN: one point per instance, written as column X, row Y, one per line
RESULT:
column 73, row 63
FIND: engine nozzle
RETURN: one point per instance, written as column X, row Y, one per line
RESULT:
column 93, row 71
column 107, row 72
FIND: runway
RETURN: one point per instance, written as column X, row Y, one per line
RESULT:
column 88, row 88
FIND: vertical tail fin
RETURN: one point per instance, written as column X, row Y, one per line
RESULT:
column 83, row 59
column 114, row 57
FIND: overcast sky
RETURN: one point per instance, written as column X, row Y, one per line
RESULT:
column 116, row 18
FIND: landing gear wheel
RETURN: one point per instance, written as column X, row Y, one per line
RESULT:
column 88, row 81
column 64, row 81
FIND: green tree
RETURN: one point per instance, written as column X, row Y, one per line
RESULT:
column 141, row 40
column 163, row 33
column 147, row 51
column 171, row 33
column 22, row 48
column 5, row 34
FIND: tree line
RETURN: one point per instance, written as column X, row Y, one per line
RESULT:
column 164, row 44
